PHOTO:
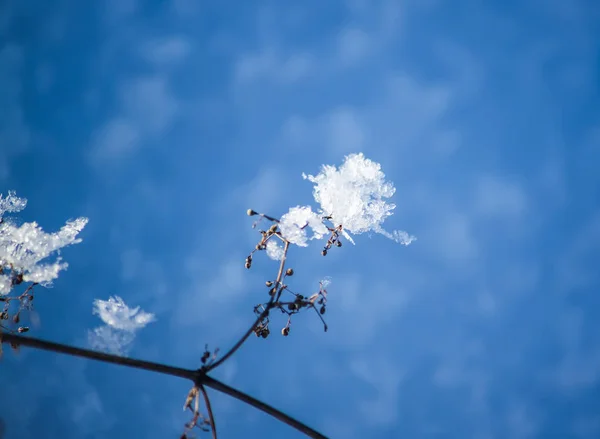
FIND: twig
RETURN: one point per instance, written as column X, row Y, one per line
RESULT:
column 99, row 356
column 224, row 388
column 211, row 417
column 198, row 377
column 262, row 315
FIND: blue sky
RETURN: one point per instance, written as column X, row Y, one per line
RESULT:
column 164, row 121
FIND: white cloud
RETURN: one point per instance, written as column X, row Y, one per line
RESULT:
column 353, row 45
column 118, row 10
column 117, row 139
column 147, row 109
column 385, row 377
column 167, row 50
column 269, row 64
column 402, row 116
column 345, row 131
column 149, row 104
column 15, row 134
column 499, row 197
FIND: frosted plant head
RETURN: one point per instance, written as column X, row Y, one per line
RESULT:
column 274, row 250
column 354, row 196
column 297, row 221
column 120, row 325
column 23, row 247
column 110, row 340
column 11, row 203
column 115, row 313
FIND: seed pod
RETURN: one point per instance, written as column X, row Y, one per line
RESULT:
column 18, row 279
column 23, row 329
column 269, row 283
column 272, row 291
column 16, row 318
column 205, row 357
column 338, row 243
column 250, row 212
column 324, row 252
column 322, row 310
column 285, row 331
column 292, row 306
column 273, row 228
column 289, row 272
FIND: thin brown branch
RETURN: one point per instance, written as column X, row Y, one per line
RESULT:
column 262, row 315
column 198, row 377
column 36, row 343
column 211, row 417
column 234, row 393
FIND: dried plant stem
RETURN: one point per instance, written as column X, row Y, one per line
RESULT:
column 262, row 315
column 198, row 377
column 234, row 393
column 36, row 343
column 211, row 417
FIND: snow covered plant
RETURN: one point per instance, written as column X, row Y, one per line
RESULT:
column 120, row 325
column 352, row 201
column 22, row 248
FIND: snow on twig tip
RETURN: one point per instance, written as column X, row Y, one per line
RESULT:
column 354, row 196
column 23, row 247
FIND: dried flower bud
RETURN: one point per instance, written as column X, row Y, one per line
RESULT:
column 285, row 331
column 338, row 243
column 269, row 283
column 272, row 291
column 16, row 318
column 322, row 310
column 4, row 315
column 289, row 272
column 324, row 252
column 273, row 228
column 250, row 212
column 248, row 263
column 23, row 329
column 205, row 357
column 292, row 306
column 18, row 279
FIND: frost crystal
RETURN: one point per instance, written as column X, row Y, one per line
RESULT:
column 23, row 247
column 121, row 324
column 293, row 225
column 107, row 339
column 116, row 314
column 5, row 284
column 354, row 196
column 274, row 250
column 11, row 203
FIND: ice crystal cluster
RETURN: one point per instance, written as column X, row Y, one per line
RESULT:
column 23, row 247
column 352, row 197
column 120, row 325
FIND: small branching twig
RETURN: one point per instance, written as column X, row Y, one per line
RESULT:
column 198, row 377
column 261, row 317
column 25, row 303
column 211, row 417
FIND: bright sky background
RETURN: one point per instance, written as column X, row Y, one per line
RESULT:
column 164, row 121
